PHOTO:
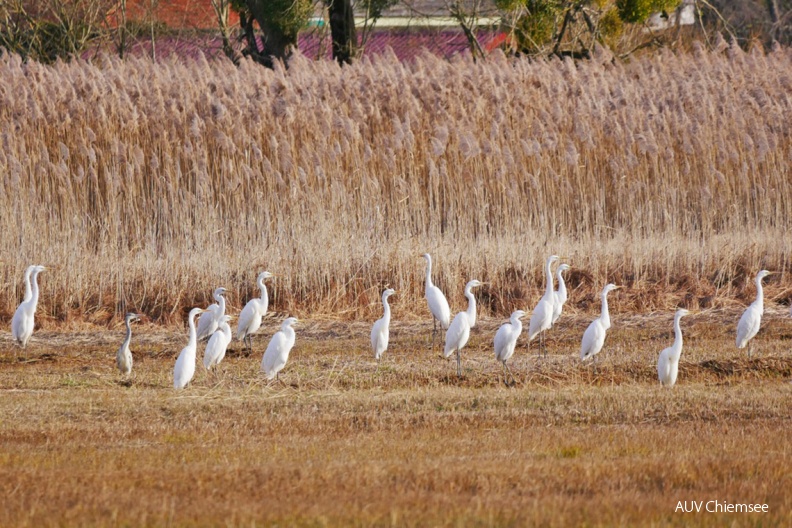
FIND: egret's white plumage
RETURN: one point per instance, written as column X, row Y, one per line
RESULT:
column 124, row 355
column 751, row 319
column 280, row 345
column 438, row 304
column 668, row 362
column 380, row 331
column 254, row 310
column 542, row 316
column 23, row 322
column 184, row 370
column 458, row 331
column 210, row 319
column 216, row 347
column 560, row 295
column 594, row 336
column 506, row 340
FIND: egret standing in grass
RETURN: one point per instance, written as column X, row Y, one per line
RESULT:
column 542, row 316
column 438, row 304
column 23, row 321
column 184, row 370
column 668, row 363
column 560, row 295
column 280, row 345
column 380, row 331
column 594, row 336
column 124, row 355
column 210, row 319
column 751, row 319
column 458, row 332
column 506, row 341
column 217, row 345
column 254, row 310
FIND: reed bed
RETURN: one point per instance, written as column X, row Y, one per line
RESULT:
column 146, row 185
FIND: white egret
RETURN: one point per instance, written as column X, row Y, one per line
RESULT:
column 594, row 336
column 254, row 310
column 458, row 331
column 751, row 318
column 438, row 304
column 277, row 353
column 506, row 341
column 380, row 331
column 216, row 347
column 542, row 316
column 23, row 321
column 668, row 363
column 560, row 295
column 184, row 370
column 124, row 355
column 210, row 319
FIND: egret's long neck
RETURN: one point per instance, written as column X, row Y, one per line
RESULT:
column 222, row 303
column 549, row 278
column 428, row 273
column 471, row 309
column 516, row 325
column 264, row 295
column 677, row 347
column 562, row 291
column 34, row 290
column 128, row 338
column 289, row 331
column 605, row 317
column 386, row 308
column 28, row 291
column 193, row 337
column 759, row 293
column 226, row 330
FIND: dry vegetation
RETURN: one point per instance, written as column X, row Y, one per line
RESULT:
column 340, row 443
column 147, row 185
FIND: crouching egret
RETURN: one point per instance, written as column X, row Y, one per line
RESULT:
column 668, row 363
column 506, row 341
column 184, row 370
column 124, row 355
column 438, row 304
column 594, row 336
column 751, row 319
column 458, row 332
column 23, row 321
column 277, row 353
column 254, row 310
column 210, row 319
column 217, row 345
column 542, row 316
column 560, row 296
column 380, row 331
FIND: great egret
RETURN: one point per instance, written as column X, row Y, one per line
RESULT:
column 184, row 370
column 210, row 319
column 594, row 336
column 542, row 316
column 438, row 304
column 668, row 363
column 280, row 345
column 124, row 356
column 506, row 341
column 751, row 318
column 560, row 295
column 380, row 331
column 216, row 347
column 24, row 318
column 458, row 332
column 254, row 310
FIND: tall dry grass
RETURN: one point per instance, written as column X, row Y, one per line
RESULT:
column 147, row 184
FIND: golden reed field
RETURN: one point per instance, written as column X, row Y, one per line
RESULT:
column 144, row 186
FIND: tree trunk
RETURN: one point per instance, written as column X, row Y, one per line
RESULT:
column 342, row 30
column 278, row 42
column 774, row 12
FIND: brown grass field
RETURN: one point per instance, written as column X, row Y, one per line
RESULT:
column 342, row 443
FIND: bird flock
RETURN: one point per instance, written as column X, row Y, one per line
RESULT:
column 213, row 326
